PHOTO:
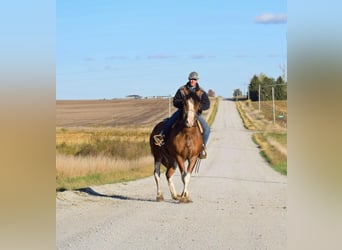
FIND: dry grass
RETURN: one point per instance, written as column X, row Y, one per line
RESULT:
column 266, row 112
column 76, row 172
column 78, row 135
column 72, row 166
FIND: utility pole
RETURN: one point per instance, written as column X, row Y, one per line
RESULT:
column 273, row 107
column 244, row 89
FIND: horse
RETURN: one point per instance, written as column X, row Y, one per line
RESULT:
column 183, row 144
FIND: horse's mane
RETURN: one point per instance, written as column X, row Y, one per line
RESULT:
column 193, row 96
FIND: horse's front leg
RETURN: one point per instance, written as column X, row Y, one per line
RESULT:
column 186, row 179
column 192, row 163
column 185, row 197
column 160, row 196
column 169, row 175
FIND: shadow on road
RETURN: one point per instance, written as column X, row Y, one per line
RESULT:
column 92, row 192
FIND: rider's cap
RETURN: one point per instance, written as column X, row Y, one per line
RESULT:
column 193, row 75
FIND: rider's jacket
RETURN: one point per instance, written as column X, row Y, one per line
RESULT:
column 179, row 97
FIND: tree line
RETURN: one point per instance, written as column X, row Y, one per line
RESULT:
column 266, row 84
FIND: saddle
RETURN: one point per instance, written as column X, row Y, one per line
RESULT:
column 159, row 139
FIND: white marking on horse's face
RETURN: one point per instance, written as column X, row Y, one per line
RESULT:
column 191, row 113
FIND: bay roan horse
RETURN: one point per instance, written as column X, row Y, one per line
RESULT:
column 183, row 144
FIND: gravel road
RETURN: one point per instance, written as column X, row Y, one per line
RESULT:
column 239, row 202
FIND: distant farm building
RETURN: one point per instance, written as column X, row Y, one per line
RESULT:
column 134, row 96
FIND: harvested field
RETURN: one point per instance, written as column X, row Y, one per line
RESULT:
column 114, row 113
column 119, row 112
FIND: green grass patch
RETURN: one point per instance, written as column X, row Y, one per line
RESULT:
column 271, row 154
column 279, row 137
column 93, row 179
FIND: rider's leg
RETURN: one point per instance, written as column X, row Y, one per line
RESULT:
column 169, row 122
column 206, row 132
column 159, row 139
column 206, row 129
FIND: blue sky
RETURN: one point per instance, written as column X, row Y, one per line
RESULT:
column 111, row 49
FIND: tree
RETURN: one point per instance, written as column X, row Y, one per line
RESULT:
column 266, row 84
column 254, row 88
column 266, row 89
column 237, row 92
column 211, row 93
column 280, row 89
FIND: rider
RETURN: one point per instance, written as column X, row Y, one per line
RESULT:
column 192, row 86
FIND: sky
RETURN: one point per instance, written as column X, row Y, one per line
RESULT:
column 110, row 49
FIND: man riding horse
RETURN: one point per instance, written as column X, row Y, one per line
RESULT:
column 191, row 86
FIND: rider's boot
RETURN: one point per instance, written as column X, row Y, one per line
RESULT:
column 203, row 154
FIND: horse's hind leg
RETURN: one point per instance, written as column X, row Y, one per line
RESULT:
column 160, row 196
column 169, row 175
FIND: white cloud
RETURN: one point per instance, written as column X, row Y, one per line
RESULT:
column 269, row 18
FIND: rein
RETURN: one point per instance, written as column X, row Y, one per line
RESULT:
column 197, row 165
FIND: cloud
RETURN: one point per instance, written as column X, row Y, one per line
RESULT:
column 160, row 56
column 201, row 56
column 269, row 18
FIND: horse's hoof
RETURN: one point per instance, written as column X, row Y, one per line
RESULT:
column 177, row 197
column 185, row 200
column 160, row 198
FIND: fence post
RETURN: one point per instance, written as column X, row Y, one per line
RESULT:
column 169, row 105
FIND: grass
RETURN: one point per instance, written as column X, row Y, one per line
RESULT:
column 248, row 124
column 272, row 139
column 99, row 178
column 275, row 157
column 77, row 172
column 212, row 115
column 112, row 148
column 266, row 111
column 88, row 156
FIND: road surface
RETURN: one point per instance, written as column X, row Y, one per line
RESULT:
column 239, row 202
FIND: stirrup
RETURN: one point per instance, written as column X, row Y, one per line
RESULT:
column 158, row 140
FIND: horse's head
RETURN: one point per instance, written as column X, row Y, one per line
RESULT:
column 190, row 108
